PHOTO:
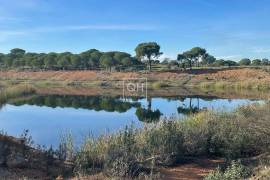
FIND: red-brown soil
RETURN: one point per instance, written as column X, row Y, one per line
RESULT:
column 232, row 75
column 192, row 170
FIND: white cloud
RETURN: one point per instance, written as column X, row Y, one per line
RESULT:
column 261, row 50
column 6, row 34
column 170, row 56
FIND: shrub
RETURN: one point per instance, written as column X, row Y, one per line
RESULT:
column 131, row 152
column 256, row 62
column 233, row 172
column 165, row 142
column 244, row 62
column 158, row 85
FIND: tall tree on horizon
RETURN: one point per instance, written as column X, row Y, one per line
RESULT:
column 192, row 56
column 148, row 50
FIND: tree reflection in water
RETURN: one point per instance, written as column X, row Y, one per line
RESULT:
column 108, row 104
column 191, row 109
column 147, row 114
column 97, row 103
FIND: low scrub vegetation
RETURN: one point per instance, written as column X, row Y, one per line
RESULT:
column 159, row 85
column 233, row 172
column 132, row 152
column 251, row 85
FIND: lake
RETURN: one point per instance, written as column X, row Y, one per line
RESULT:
column 49, row 116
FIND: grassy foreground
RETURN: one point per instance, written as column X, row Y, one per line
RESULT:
column 132, row 152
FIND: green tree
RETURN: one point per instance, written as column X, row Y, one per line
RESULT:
column 29, row 58
column 183, row 61
column 8, row 61
column 2, row 57
column 230, row 63
column 63, row 60
column 220, row 62
column 208, row 59
column 197, row 53
column 50, row 60
column 107, row 61
column 256, row 62
column 118, row 56
column 148, row 50
column 75, row 61
column 245, row 62
column 17, row 53
column 90, row 58
column 126, row 61
column 265, row 62
column 39, row 61
column 16, row 56
column 94, row 60
column 192, row 56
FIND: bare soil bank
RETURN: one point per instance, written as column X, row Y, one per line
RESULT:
column 173, row 78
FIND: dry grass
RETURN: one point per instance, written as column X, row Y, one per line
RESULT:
column 242, row 77
column 241, row 134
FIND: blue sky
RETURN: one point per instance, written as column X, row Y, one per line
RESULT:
column 230, row 29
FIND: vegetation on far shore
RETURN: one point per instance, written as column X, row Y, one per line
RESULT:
column 146, row 54
column 194, row 62
column 250, row 85
column 205, row 79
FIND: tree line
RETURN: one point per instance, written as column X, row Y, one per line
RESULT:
column 147, row 54
column 199, row 57
column 91, row 59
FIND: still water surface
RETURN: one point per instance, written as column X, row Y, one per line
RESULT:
column 47, row 117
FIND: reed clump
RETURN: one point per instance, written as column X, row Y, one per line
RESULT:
column 132, row 152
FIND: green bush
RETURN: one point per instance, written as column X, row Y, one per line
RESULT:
column 131, row 152
column 159, row 85
column 233, row 172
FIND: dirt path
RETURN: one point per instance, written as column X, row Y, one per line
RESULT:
column 193, row 169
column 196, row 169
